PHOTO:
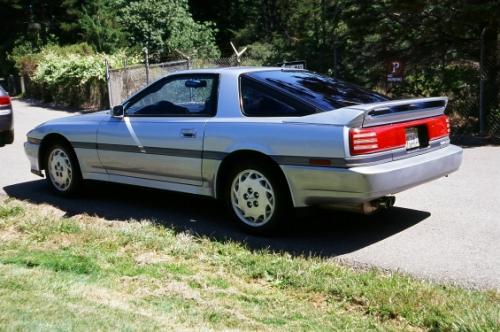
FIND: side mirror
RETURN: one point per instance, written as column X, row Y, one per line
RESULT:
column 118, row 111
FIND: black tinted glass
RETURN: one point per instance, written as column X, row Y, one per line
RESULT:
column 258, row 100
column 323, row 92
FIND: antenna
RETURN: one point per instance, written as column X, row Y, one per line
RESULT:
column 238, row 54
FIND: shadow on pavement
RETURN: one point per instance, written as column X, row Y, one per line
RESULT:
column 473, row 141
column 313, row 232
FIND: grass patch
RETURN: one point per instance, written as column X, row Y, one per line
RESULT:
column 85, row 273
column 57, row 261
column 10, row 211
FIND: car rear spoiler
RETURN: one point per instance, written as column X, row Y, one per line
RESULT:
column 376, row 114
column 401, row 110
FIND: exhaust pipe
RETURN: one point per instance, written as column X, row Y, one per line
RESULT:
column 383, row 203
column 387, row 202
column 367, row 208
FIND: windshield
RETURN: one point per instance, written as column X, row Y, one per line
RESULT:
column 325, row 93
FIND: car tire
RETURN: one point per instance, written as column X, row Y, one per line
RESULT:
column 257, row 197
column 62, row 170
column 9, row 137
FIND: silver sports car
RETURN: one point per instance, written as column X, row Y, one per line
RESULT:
column 263, row 140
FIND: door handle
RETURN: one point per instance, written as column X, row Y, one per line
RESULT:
column 188, row 133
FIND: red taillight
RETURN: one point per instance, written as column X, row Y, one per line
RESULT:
column 393, row 136
column 4, row 101
column 375, row 139
column 438, row 127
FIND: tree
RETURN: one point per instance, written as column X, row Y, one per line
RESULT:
column 100, row 25
column 164, row 26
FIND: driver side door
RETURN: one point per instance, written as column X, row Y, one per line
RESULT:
column 160, row 137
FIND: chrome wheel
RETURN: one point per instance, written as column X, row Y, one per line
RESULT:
column 252, row 198
column 60, row 169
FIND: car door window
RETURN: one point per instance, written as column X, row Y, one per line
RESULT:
column 184, row 95
column 259, row 101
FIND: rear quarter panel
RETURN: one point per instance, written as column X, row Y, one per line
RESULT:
column 275, row 138
column 280, row 140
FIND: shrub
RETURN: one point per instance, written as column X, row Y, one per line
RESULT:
column 73, row 75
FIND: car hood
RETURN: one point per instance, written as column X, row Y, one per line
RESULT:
column 80, row 118
column 76, row 123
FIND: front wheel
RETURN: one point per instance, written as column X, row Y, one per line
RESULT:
column 257, row 197
column 62, row 170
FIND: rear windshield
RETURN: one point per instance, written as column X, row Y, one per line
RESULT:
column 324, row 92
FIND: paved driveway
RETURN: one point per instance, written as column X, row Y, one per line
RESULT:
column 447, row 230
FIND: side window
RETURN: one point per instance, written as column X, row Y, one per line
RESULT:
column 260, row 101
column 186, row 95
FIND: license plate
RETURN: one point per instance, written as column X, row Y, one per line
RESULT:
column 412, row 139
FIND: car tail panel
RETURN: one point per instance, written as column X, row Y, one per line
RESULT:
column 410, row 135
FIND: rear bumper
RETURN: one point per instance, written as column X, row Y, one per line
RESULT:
column 6, row 137
column 6, row 128
column 325, row 185
column 6, row 121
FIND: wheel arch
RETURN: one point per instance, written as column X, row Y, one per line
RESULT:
column 46, row 142
column 244, row 155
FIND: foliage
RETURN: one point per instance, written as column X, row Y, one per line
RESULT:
column 73, row 75
column 164, row 26
column 107, row 26
column 101, row 27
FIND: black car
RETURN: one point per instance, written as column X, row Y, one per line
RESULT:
column 6, row 119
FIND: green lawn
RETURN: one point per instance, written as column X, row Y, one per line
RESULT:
column 86, row 273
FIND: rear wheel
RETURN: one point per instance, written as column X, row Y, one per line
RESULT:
column 257, row 197
column 62, row 170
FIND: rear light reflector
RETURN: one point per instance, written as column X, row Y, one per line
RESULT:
column 319, row 162
column 393, row 136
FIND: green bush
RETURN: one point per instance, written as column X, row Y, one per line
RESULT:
column 73, row 75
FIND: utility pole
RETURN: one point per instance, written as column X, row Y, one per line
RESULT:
column 482, row 82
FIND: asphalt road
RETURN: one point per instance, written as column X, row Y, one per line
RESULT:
column 447, row 230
